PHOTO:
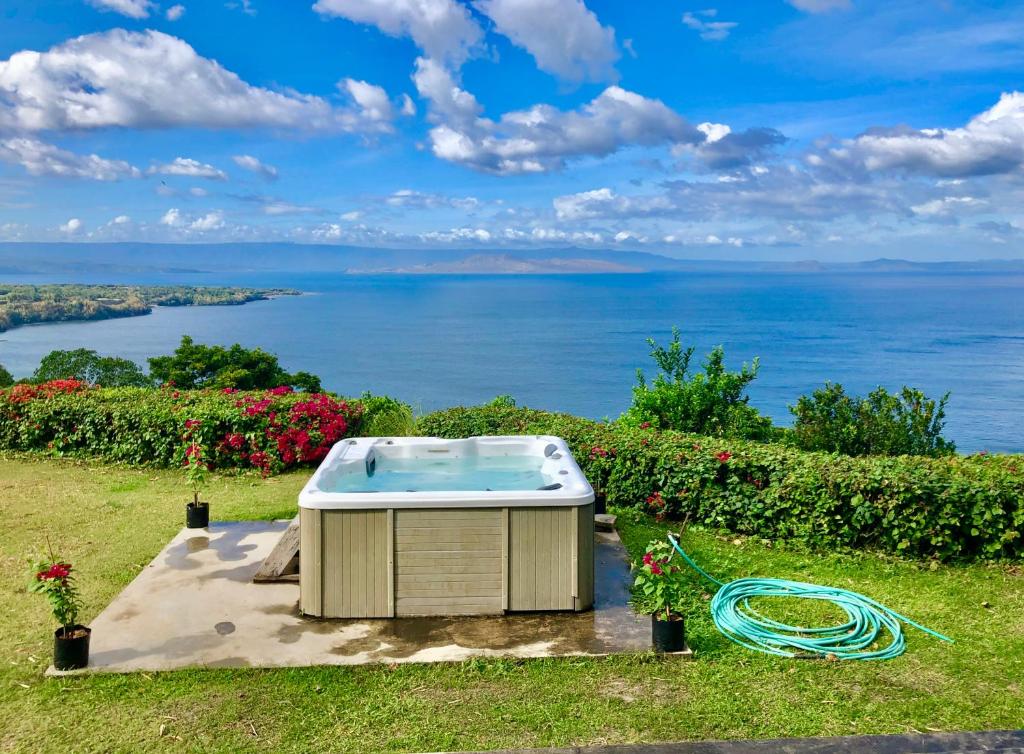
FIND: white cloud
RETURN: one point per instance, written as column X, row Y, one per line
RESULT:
column 946, row 206
column 121, row 220
column 40, row 158
column 136, row 9
column 172, row 218
column 991, row 143
column 276, row 208
column 254, row 165
column 408, row 106
column 72, row 226
column 604, row 202
column 210, row 221
column 147, row 80
column 819, row 6
column 371, row 99
column 186, row 166
column 352, row 216
column 563, row 36
column 443, row 29
column 702, row 22
column 175, row 12
column 542, row 138
column 409, row 199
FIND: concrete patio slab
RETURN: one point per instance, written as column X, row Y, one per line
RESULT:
column 195, row 605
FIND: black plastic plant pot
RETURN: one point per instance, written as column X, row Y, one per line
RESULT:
column 668, row 635
column 71, row 653
column 197, row 516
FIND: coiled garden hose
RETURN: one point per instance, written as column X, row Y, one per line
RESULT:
column 742, row 624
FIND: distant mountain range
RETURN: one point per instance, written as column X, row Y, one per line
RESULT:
column 143, row 261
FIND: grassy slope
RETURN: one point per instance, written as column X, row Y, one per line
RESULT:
column 112, row 521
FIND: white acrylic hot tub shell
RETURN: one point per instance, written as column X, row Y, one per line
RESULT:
column 349, row 456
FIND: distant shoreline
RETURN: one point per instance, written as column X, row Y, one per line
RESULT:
column 24, row 305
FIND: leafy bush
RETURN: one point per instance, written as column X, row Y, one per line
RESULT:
column 266, row 430
column 89, row 366
column 194, row 365
column 946, row 507
column 712, row 402
column 6, row 378
column 881, row 424
column 386, row 417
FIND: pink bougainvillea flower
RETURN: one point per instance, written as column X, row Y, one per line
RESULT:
column 724, row 456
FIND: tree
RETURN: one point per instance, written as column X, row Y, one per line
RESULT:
column 711, row 402
column 88, row 366
column 195, row 365
column 6, row 378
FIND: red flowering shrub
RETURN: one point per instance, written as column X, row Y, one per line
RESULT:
column 267, row 430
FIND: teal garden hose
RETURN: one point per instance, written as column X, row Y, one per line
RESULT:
column 868, row 621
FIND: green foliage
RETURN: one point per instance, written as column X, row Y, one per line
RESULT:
column 194, row 365
column 53, row 578
column 908, row 423
column 6, row 378
column 661, row 587
column 88, row 366
column 386, row 417
column 29, row 304
column 711, row 402
column 263, row 430
column 948, row 507
column 503, row 401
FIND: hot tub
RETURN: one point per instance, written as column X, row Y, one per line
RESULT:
column 423, row 526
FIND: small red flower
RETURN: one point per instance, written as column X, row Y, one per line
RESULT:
column 645, row 425
column 724, row 456
column 656, row 569
column 57, row 572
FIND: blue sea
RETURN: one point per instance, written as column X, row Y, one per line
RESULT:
column 573, row 342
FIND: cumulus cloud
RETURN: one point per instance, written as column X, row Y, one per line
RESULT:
column 991, row 143
column 563, row 36
column 175, row 12
column 149, row 80
column 604, row 202
column 373, row 102
column 186, row 166
column 723, row 148
column 254, row 165
column 72, row 226
column 702, row 22
column 40, row 158
column 443, row 29
column 172, row 218
column 210, row 221
column 136, row 9
column 542, row 138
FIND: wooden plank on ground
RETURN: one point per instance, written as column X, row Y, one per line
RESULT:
column 282, row 562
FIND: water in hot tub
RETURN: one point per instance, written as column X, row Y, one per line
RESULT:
column 446, row 473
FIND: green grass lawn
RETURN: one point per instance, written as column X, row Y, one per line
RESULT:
column 111, row 522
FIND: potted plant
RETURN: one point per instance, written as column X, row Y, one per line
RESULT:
column 659, row 590
column 197, row 513
column 71, row 641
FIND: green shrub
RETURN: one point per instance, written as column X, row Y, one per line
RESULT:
column 6, row 378
column 89, row 366
column 265, row 430
column 951, row 507
column 881, row 424
column 711, row 402
column 386, row 417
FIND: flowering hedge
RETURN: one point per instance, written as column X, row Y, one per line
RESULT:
column 268, row 430
column 956, row 507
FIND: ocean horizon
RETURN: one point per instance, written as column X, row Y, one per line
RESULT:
column 574, row 342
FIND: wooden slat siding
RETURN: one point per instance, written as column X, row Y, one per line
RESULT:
column 447, row 562
column 390, row 544
column 355, row 564
column 504, row 559
column 541, row 549
column 310, row 563
column 585, row 557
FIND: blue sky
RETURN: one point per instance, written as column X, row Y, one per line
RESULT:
column 829, row 129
